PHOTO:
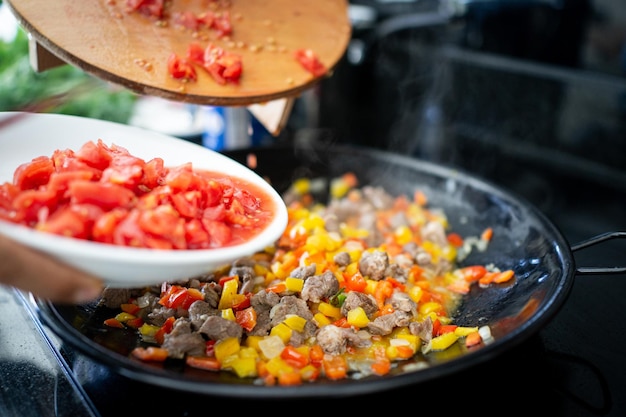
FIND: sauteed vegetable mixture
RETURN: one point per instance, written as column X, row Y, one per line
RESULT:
column 355, row 287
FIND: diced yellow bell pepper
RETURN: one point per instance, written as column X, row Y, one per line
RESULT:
column 430, row 307
column 357, row 317
column 277, row 366
column 148, row 329
column 226, row 347
column 281, row 330
column 294, row 284
column 228, row 292
column 444, row 341
column 413, row 340
column 329, row 310
column 321, row 320
column 295, row 322
column 228, row 314
column 244, row 367
column 464, row 331
column 415, row 293
column 123, row 317
column 253, row 342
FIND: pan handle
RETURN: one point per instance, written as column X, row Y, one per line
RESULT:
column 598, row 270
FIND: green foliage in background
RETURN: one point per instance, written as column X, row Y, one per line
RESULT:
column 22, row 87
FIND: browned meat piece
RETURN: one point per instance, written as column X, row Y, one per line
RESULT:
column 319, row 287
column 115, row 297
column 342, row 259
column 373, row 264
column 291, row 304
column 356, row 299
column 218, row 328
column 423, row 329
column 383, row 325
column 397, row 272
column 435, row 232
column 212, row 292
column 182, row 341
column 159, row 314
column 335, row 340
column 378, row 197
column 244, row 269
column 303, row 272
column 262, row 302
column 402, row 302
column 199, row 311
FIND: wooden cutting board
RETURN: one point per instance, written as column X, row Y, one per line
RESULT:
column 105, row 39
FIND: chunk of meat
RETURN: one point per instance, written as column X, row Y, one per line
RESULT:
column 319, row 287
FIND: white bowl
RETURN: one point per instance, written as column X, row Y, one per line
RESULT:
column 31, row 135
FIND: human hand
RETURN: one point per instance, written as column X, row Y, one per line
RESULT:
column 45, row 277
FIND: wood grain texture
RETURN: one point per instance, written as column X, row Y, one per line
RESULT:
column 104, row 39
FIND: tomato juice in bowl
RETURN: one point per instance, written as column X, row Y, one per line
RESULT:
column 194, row 172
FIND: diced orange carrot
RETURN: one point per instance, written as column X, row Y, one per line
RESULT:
column 487, row 234
column 113, row 322
column 289, row 378
column 150, row 354
column 381, row 366
column 473, row 339
column 335, row 367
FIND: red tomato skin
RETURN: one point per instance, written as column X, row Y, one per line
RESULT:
column 31, row 175
column 181, row 69
column 66, row 222
column 195, row 53
column 219, row 233
column 96, row 155
column 195, row 235
column 128, row 176
column 105, row 195
column 154, row 173
column 105, row 225
column 33, row 206
column 310, row 62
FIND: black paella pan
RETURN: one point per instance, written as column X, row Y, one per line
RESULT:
column 524, row 240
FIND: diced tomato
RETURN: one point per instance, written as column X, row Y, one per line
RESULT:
column 294, row 357
column 223, row 66
column 31, row 175
column 188, row 204
column 187, row 20
column 35, row 205
column 355, row 282
column 246, row 318
column 310, row 62
column 196, row 236
column 195, row 53
column 103, row 228
column 150, row 8
column 105, row 195
column 154, row 173
column 127, row 175
column 244, row 303
column 164, row 329
column 222, row 23
column 163, row 222
column 60, row 181
column 96, row 155
column 72, row 221
column 180, row 297
column 67, row 161
column 180, row 68
column 219, row 233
